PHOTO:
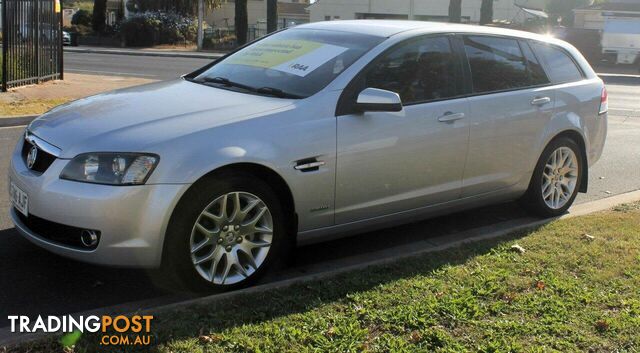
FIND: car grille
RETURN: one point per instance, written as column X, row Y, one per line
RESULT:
column 43, row 161
column 55, row 232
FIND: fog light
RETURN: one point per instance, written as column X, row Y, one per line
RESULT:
column 89, row 238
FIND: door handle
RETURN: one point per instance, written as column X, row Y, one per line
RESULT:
column 449, row 117
column 540, row 101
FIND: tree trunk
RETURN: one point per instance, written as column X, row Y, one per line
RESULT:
column 272, row 16
column 99, row 19
column 486, row 12
column 455, row 11
column 200, row 24
column 241, row 22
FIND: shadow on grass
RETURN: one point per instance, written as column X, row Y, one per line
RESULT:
column 256, row 306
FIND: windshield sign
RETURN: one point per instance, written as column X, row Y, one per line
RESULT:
column 294, row 63
column 296, row 57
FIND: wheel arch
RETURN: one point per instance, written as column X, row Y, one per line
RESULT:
column 579, row 139
column 266, row 174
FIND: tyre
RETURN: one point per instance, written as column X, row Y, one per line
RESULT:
column 225, row 234
column 556, row 179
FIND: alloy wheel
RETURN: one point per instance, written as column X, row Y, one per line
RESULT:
column 560, row 178
column 231, row 238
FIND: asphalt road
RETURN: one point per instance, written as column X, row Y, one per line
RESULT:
column 151, row 67
column 35, row 282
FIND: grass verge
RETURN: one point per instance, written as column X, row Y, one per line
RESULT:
column 29, row 106
column 575, row 288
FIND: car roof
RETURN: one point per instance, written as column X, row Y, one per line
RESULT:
column 388, row 28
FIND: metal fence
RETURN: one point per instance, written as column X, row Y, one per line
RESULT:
column 31, row 42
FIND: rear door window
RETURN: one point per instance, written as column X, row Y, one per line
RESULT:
column 560, row 67
column 536, row 72
column 497, row 64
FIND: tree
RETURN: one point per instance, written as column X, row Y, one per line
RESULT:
column 200, row 24
column 455, row 11
column 184, row 7
column 486, row 12
column 120, row 12
column 99, row 19
column 81, row 18
column 272, row 16
column 241, row 22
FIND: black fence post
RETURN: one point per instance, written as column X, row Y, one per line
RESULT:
column 37, row 32
column 60, row 41
column 31, row 42
column 5, row 45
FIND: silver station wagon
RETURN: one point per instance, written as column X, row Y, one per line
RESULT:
column 323, row 130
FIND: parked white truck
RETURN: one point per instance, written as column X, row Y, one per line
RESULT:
column 621, row 40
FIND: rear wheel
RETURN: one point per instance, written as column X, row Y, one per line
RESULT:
column 556, row 179
column 226, row 233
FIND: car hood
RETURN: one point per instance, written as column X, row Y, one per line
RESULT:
column 137, row 118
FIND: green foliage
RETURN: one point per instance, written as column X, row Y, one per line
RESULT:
column 154, row 27
column 70, row 339
column 185, row 7
column 82, row 18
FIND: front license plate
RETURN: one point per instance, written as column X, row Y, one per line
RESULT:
column 20, row 200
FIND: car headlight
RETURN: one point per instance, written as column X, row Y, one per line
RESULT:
column 111, row 168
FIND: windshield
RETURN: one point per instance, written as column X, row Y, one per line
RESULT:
column 295, row 63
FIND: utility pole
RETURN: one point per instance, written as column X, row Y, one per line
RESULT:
column 200, row 24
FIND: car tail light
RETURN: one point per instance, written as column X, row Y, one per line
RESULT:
column 604, row 101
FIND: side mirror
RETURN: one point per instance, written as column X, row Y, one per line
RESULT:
column 378, row 100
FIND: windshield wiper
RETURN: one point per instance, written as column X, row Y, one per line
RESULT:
column 226, row 82
column 271, row 91
column 277, row 93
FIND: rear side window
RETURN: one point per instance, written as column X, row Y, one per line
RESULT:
column 497, row 64
column 561, row 68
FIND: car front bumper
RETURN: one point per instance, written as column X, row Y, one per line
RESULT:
column 132, row 220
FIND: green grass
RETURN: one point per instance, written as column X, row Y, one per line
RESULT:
column 566, row 293
column 29, row 106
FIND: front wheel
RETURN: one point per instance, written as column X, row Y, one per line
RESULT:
column 556, row 179
column 225, row 234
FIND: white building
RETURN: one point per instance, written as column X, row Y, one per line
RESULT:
column 290, row 13
column 595, row 16
column 422, row 10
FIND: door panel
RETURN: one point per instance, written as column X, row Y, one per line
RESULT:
column 505, row 128
column 392, row 162
column 507, row 116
